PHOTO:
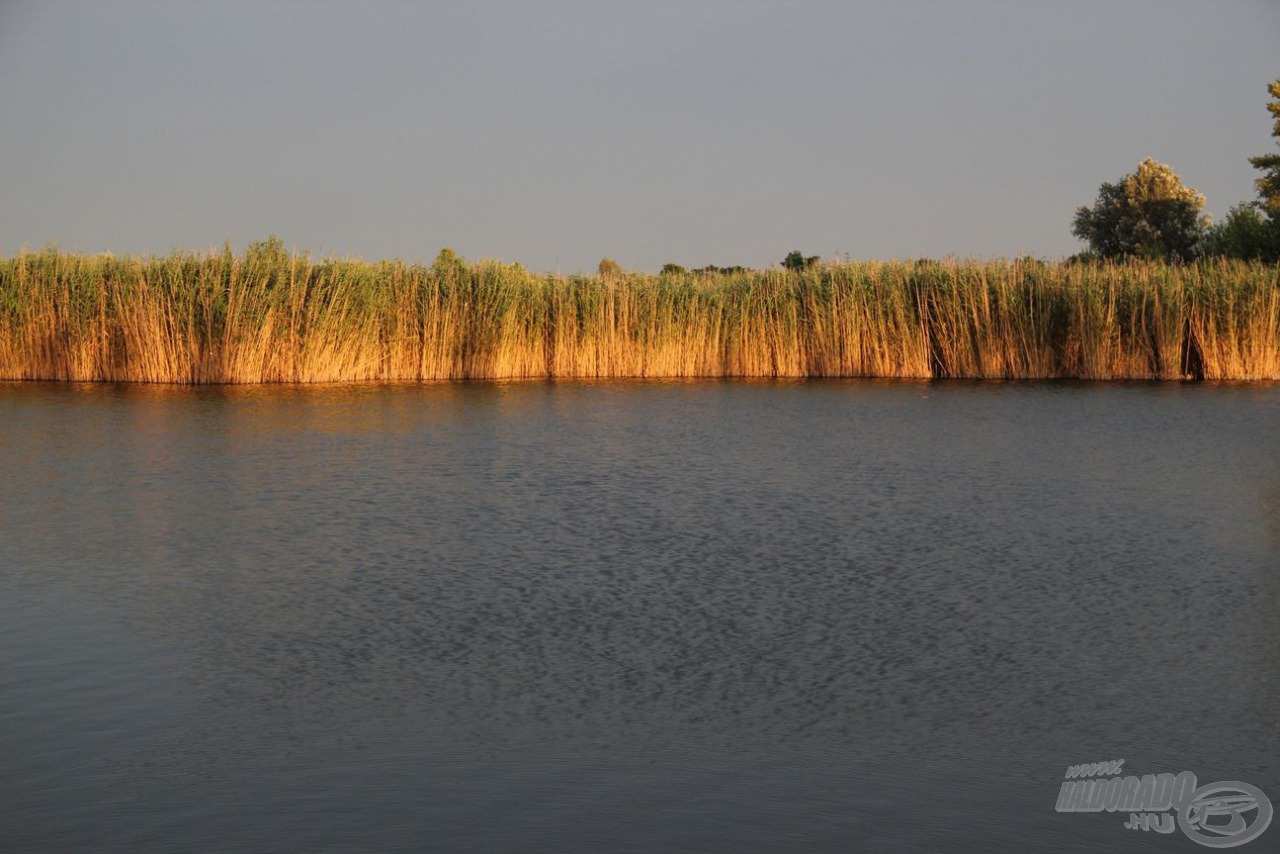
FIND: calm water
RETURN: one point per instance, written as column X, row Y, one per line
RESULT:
column 824, row 616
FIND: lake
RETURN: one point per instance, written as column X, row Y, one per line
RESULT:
column 629, row 616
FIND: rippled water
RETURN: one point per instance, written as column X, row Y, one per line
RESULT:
column 720, row 616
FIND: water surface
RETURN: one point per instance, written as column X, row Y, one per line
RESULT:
column 703, row 616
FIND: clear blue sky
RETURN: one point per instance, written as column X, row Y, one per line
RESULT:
column 556, row 133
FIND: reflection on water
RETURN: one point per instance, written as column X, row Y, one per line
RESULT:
column 717, row 616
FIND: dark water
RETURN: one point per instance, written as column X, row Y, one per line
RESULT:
column 824, row 616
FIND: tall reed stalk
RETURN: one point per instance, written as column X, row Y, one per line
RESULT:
column 268, row 316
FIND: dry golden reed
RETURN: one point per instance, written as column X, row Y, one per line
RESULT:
column 268, row 316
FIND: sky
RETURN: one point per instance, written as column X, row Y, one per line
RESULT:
column 556, row 133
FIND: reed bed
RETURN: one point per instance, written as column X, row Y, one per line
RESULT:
column 270, row 316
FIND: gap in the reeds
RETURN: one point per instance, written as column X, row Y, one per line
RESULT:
column 267, row 316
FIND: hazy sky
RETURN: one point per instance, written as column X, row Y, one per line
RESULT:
column 554, row 133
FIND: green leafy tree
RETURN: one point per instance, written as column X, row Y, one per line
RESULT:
column 449, row 265
column 268, row 261
column 1269, row 184
column 1251, row 230
column 797, row 260
column 1245, row 234
column 673, row 270
column 609, row 269
column 1148, row 213
column 270, row 251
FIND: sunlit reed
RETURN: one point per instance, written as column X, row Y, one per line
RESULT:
column 268, row 316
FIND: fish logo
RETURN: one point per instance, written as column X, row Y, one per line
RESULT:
column 1224, row 815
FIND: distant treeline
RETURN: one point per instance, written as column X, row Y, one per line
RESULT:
column 271, row 316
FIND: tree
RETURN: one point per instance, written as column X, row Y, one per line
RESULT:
column 673, row 270
column 449, row 265
column 270, row 251
column 1245, row 234
column 796, row 260
column 609, row 269
column 1251, row 230
column 1147, row 213
column 269, row 261
column 1269, row 184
